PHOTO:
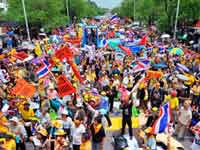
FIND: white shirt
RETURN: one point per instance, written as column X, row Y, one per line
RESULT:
column 185, row 116
column 77, row 134
column 68, row 123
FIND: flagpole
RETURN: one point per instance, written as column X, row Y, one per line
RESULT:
column 26, row 20
column 176, row 21
column 67, row 7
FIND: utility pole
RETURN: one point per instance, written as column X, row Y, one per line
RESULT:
column 176, row 21
column 133, row 10
column 26, row 21
column 67, row 8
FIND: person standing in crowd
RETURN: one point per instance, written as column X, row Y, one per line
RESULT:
column 98, row 134
column 184, row 120
column 104, row 107
column 77, row 131
column 174, row 104
column 19, row 130
column 126, row 107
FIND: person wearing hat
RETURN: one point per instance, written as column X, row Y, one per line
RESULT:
column 25, row 111
column 66, row 121
column 40, row 140
column 80, row 113
column 174, row 104
column 184, row 119
column 20, row 132
column 60, row 142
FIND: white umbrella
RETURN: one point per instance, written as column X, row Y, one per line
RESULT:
column 165, row 36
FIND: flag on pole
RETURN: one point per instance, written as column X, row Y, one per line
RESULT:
column 64, row 86
column 44, row 69
column 163, row 120
column 114, row 19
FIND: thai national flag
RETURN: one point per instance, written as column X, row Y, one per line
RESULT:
column 114, row 19
column 140, row 65
column 161, row 124
column 45, row 69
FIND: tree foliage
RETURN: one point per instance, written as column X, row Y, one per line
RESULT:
column 162, row 12
column 49, row 13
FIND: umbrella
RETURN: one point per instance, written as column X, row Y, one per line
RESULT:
column 176, row 51
column 183, row 67
column 182, row 77
column 165, row 36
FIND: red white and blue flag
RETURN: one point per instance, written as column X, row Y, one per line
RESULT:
column 44, row 69
column 161, row 124
column 114, row 19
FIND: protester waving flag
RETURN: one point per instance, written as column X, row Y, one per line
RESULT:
column 163, row 120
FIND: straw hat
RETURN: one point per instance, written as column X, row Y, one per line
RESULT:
column 42, row 131
column 60, row 132
column 56, row 123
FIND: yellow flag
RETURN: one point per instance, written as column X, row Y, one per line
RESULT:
column 38, row 50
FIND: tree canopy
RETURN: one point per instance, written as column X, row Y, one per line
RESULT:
column 50, row 13
column 161, row 12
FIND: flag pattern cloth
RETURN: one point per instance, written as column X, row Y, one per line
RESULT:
column 44, row 69
column 163, row 120
column 114, row 19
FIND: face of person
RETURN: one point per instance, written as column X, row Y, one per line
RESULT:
column 13, row 123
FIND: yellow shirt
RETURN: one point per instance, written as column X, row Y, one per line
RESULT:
column 86, row 146
column 3, row 120
column 196, row 90
column 10, row 144
column 173, row 101
column 26, row 115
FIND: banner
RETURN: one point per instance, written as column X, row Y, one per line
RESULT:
column 154, row 74
column 64, row 52
column 64, row 86
column 20, row 55
column 23, row 88
column 74, row 40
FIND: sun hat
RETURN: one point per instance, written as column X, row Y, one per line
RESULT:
column 64, row 112
column 42, row 131
column 60, row 132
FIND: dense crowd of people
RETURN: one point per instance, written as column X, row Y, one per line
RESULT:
column 161, row 71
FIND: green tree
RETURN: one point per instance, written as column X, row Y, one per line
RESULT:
column 162, row 12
